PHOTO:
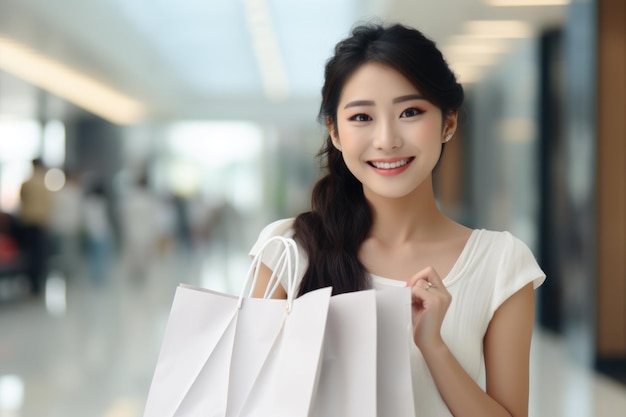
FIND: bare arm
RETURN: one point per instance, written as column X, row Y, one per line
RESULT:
column 506, row 350
column 264, row 276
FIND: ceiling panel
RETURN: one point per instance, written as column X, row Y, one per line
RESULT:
column 196, row 58
column 205, row 43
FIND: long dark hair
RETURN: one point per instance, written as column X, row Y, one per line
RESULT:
column 340, row 218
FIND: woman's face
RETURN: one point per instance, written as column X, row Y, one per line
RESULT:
column 389, row 135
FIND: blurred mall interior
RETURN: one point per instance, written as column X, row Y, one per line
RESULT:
column 168, row 133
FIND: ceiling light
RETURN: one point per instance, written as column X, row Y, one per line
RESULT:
column 473, row 60
column 498, row 29
column 468, row 50
column 513, row 3
column 68, row 83
column 471, row 45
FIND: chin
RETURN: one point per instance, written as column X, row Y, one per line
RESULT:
column 387, row 193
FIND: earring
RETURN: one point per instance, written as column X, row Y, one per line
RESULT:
column 448, row 137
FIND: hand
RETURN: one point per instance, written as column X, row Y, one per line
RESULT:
column 430, row 302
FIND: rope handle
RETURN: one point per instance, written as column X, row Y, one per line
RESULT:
column 287, row 263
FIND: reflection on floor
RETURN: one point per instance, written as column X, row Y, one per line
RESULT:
column 87, row 350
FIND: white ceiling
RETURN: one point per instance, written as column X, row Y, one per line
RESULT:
column 190, row 59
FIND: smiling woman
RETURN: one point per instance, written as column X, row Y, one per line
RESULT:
column 390, row 104
column 390, row 133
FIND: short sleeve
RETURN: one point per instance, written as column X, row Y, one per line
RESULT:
column 517, row 269
column 272, row 252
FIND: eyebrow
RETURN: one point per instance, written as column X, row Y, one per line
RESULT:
column 357, row 103
column 407, row 98
column 396, row 100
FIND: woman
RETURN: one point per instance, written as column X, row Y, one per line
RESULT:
column 390, row 103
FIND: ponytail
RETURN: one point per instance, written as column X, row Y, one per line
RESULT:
column 333, row 231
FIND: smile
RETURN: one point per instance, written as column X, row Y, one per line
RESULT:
column 391, row 165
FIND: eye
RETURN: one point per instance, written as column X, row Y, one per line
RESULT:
column 361, row 117
column 411, row 112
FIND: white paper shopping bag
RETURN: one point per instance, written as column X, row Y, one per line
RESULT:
column 285, row 385
column 225, row 355
column 199, row 335
column 347, row 384
column 395, row 387
column 366, row 365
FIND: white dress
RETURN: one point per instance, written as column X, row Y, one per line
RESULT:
column 491, row 268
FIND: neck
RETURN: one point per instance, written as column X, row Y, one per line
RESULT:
column 409, row 218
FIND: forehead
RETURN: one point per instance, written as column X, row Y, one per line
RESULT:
column 375, row 80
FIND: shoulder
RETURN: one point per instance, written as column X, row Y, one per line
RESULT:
column 501, row 245
column 271, row 253
column 281, row 227
column 497, row 238
column 510, row 261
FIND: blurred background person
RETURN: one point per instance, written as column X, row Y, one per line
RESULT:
column 182, row 222
column 34, row 215
column 67, row 225
column 139, row 211
column 9, row 249
column 165, row 220
column 98, row 233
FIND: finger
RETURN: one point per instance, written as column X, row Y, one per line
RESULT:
column 422, row 291
column 429, row 274
column 424, row 284
column 436, row 281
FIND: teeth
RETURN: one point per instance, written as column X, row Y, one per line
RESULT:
column 390, row 165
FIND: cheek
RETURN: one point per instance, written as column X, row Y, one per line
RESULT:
column 352, row 138
column 425, row 130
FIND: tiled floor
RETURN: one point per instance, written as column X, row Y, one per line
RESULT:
column 88, row 351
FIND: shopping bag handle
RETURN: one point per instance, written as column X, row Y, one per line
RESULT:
column 287, row 262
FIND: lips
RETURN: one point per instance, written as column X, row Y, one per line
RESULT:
column 391, row 164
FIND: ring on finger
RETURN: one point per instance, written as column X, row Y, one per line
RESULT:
column 430, row 285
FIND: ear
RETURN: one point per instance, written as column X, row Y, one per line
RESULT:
column 332, row 131
column 450, row 125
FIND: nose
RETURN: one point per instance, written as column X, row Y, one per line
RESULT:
column 387, row 136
